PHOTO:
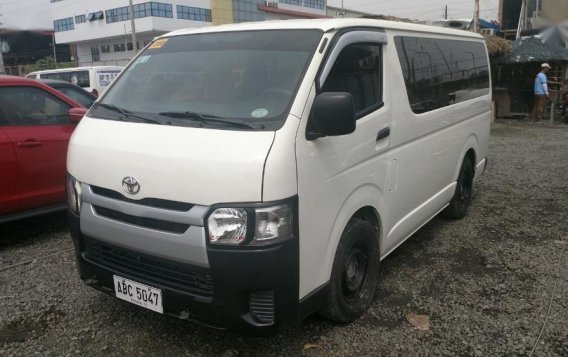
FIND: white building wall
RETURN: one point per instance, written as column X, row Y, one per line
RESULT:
column 99, row 33
column 97, row 29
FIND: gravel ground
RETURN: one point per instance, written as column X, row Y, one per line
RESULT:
column 494, row 283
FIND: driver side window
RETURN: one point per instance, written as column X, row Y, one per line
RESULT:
column 31, row 106
column 357, row 70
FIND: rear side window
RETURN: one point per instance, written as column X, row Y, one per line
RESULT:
column 439, row 72
column 357, row 71
column 77, row 95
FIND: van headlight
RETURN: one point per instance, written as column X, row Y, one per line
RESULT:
column 251, row 225
column 73, row 190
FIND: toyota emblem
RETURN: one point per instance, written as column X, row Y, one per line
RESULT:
column 130, row 185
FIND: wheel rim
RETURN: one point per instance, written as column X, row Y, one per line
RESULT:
column 355, row 273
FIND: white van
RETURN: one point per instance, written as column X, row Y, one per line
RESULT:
column 245, row 176
column 93, row 79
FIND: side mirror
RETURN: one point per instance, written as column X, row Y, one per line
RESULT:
column 76, row 114
column 332, row 114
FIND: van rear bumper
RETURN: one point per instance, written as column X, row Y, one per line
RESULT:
column 248, row 291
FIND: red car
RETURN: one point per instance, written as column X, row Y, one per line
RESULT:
column 36, row 122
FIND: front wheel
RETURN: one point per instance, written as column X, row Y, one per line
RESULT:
column 457, row 208
column 354, row 274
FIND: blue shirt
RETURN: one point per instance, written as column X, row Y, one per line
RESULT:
column 540, row 86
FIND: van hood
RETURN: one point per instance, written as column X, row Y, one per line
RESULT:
column 193, row 165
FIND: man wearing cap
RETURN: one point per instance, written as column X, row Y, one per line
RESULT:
column 540, row 92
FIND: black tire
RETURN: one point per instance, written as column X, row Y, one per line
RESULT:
column 460, row 202
column 354, row 274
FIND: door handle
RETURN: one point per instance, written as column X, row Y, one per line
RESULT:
column 383, row 133
column 29, row 144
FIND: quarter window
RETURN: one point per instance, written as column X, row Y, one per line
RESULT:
column 357, row 70
column 31, row 106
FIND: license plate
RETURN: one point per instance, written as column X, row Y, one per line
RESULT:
column 139, row 294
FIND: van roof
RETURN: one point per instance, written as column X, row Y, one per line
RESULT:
column 77, row 69
column 325, row 25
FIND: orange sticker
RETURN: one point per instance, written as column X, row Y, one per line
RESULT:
column 158, row 43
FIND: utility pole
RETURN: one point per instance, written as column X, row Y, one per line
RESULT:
column 446, row 13
column 54, row 51
column 522, row 16
column 2, row 71
column 341, row 12
column 134, row 47
column 476, row 17
column 535, row 15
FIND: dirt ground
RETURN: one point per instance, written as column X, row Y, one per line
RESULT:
column 494, row 283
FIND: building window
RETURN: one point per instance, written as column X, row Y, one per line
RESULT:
column 119, row 47
column 247, row 10
column 80, row 19
column 314, row 4
column 116, row 15
column 130, row 48
column 105, row 49
column 146, row 9
column 162, row 10
column 292, row 2
column 63, row 24
column 93, row 16
column 95, row 54
column 193, row 13
column 156, row 9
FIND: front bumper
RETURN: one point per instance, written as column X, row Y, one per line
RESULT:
column 248, row 291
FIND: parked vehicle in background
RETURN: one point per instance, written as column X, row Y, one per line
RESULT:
column 93, row 79
column 36, row 122
column 74, row 92
column 253, row 174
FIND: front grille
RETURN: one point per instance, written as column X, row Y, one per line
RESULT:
column 152, row 223
column 262, row 306
column 150, row 202
column 152, row 270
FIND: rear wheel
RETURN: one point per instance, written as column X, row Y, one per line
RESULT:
column 460, row 202
column 354, row 274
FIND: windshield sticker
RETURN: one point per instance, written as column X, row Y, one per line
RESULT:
column 158, row 43
column 142, row 59
column 259, row 113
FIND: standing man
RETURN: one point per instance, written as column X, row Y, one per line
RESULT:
column 540, row 92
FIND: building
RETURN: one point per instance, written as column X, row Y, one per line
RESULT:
column 26, row 35
column 333, row 11
column 101, row 30
column 549, row 12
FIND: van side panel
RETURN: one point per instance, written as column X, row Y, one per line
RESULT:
column 429, row 149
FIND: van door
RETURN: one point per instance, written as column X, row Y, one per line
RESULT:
column 333, row 172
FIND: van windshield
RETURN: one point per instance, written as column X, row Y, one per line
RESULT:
column 238, row 80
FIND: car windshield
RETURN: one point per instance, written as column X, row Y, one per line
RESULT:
column 213, row 80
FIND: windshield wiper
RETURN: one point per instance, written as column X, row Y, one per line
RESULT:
column 127, row 114
column 204, row 118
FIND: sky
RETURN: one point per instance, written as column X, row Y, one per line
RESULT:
column 422, row 9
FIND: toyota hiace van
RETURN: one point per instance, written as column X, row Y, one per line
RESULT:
column 245, row 176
